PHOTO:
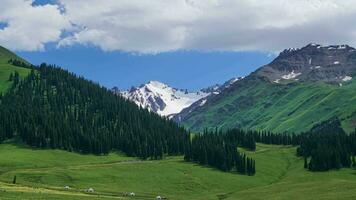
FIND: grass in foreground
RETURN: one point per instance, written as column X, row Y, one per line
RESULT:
column 42, row 174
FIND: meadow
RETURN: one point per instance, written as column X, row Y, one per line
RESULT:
column 42, row 174
column 294, row 107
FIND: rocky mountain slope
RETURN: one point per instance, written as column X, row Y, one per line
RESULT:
column 332, row 64
column 298, row 89
column 213, row 91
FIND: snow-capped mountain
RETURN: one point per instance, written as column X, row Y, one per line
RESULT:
column 161, row 98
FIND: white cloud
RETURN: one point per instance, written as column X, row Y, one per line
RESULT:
column 30, row 27
column 150, row 26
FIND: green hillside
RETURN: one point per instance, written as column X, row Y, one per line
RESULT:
column 293, row 107
column 42, row 174
column 6, row 69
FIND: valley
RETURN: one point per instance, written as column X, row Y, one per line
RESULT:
column 177, row 100
column 106, row 147
column 42, row 174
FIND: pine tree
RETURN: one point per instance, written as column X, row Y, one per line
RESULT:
column 14, row 180
column 305, row 163
column 11, row 77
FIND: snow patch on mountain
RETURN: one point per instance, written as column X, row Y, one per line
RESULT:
column 347, row 78
column 202, row 103
column 291, row 75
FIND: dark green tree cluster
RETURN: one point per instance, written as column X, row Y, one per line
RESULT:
column 328, row 147
column 278, row 139
column 219, row 150
column 20, row 63
column 242, row 138
column 245, row 165
column 53, row 108
column 249, row 138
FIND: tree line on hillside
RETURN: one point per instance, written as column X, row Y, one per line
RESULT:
column 52, row 108
column 326, row 146
column 20, row 63
column 219, row 148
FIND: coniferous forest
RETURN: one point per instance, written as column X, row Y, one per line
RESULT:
column 52, row 108
column 327, row 146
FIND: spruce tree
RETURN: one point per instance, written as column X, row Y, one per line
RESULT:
column 14, row 180
column 305, row 162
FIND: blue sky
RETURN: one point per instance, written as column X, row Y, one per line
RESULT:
column 187, row 69
column 191, row 70
column 186, row 43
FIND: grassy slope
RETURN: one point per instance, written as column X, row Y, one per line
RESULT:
column 293, row 107
column 6, row 69
column 41, row 174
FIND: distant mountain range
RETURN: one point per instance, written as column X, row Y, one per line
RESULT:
column 168, row 101
column 298, row 89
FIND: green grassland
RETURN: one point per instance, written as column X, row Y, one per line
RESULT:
column 6, row 69
column 42, row 174
column 293, row 107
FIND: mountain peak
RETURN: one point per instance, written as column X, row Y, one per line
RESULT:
column 157, row 84
column 314, row 47
column 314, row 62
column 161, row 98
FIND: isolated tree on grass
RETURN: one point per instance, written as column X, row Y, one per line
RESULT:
column 14, row 180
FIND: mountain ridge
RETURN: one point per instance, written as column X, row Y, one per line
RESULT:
column 7, row 68
column 314, row 62
column 309, row 93
column 169, row 101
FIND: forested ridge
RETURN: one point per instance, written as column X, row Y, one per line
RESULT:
column 52, row 108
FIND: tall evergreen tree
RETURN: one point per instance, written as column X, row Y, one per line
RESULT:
column 305, row 162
